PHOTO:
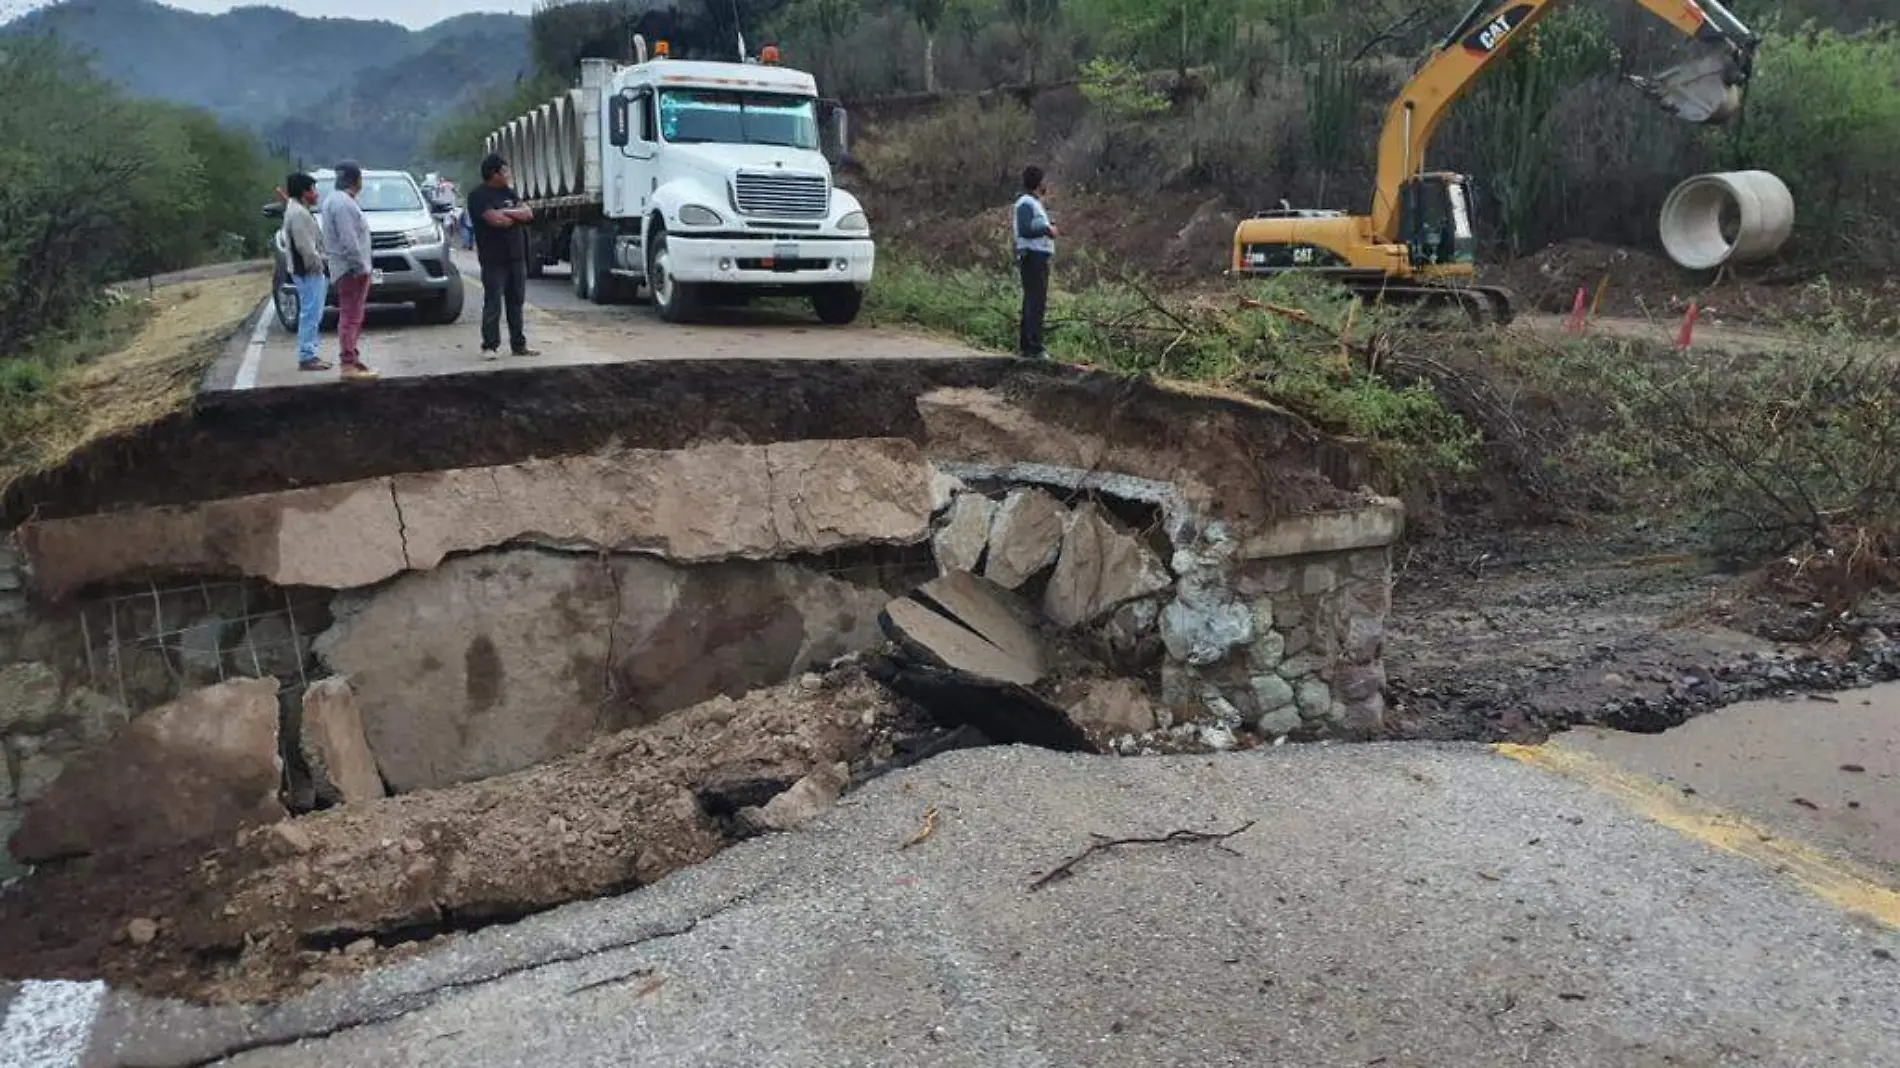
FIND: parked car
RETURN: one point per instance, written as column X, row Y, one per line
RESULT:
column 410, row 250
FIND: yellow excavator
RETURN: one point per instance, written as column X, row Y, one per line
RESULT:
column 1418, row 244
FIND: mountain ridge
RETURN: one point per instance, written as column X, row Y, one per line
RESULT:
column 314, row 89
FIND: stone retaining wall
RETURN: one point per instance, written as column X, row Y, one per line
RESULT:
column 491, row 618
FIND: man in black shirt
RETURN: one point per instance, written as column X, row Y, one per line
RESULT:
column 501, row 243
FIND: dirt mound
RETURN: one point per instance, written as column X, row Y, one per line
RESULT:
column 286, row 905
column 1638, row 283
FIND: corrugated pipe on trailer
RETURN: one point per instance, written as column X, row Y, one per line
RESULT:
column 1727, row 217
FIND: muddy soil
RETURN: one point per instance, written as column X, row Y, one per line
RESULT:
column 284, row 906
column 1517, row 634
column 1642, row 284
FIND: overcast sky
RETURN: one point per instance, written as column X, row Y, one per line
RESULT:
column 411, row 13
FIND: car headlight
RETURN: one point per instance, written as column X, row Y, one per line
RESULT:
column 855, row 223
column 423, row 235
column 694, row 215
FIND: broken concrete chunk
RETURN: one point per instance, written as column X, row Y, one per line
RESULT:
column 1114, row 706
column 944, row 488
column 334, row 747
column 946, row 643
column 204, row 765
column 992, row 612
column 959, row 545
column 835, row 494
column 807, row 798
column 1101, row 566
column 1025, row 537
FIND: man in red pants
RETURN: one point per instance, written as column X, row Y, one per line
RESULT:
column 347, row 247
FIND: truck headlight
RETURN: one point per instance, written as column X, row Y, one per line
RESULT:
column 855, row 223
column 694, row 215
column 422, row 235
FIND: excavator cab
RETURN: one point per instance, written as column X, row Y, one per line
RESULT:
column 1435, row 220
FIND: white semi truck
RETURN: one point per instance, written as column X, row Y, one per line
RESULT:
column 697, row 183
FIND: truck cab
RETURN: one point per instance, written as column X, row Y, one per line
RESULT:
column 715, row 187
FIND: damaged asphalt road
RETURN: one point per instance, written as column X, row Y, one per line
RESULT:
column 1416, row 905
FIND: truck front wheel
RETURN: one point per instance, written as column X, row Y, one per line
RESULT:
column 678, row 301
column 837, row 304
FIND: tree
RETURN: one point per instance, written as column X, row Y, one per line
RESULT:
column 1033, row 21
column 929, row 16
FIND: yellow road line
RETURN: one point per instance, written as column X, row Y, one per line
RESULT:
column 1836, row 881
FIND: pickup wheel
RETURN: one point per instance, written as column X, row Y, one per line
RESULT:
column 580, row 254
column 446, row 308
column 837, row 304
column 285, row 300
column 678, row 301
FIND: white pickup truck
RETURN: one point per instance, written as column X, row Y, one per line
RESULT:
column 695, row 182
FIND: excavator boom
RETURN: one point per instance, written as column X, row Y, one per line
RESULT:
column 1706, row 89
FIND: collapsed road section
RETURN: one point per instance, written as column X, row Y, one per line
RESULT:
column 630, row 614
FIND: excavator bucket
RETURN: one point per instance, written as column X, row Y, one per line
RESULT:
column 1706, row 89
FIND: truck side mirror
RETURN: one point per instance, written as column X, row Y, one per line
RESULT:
column 619, row 124
column 837, row 136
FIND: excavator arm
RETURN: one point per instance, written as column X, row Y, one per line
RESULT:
column 1705, row 90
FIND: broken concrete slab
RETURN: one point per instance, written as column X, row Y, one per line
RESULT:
column 498, row 661
column 1101, row 567
column 965, row 534
column 290, row 537
column 334, row 747
column 712, row 502
column 946, row 643
column 992, row 612
column 1025, row 537
column 202, row 766
column 967, row 653
column 486, row 665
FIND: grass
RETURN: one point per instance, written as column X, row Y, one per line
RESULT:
column 130, row 363
column 1292, row 342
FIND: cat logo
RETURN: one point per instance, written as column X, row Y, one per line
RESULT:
column 1489, row 36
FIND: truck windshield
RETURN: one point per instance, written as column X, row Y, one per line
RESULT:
column 700, row 116
column 380, row 193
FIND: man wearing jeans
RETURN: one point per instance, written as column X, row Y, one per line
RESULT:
column 1035, row 247
column 304, row 239
column 346, row 240
column 501, row 244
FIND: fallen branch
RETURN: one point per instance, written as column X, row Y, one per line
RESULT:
column 1104, row 843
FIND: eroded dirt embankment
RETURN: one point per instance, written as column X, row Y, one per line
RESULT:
column 266, row 440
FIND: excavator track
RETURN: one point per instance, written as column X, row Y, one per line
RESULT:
column 1482, row 304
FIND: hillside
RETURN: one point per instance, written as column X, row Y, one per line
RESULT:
column 315, row 89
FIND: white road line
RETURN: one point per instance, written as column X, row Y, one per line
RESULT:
column 254, row 352
column 49, row 1024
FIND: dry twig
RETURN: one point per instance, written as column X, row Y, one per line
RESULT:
column 929, row 828
column 1104, row 843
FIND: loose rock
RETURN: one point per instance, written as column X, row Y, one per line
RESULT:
column 334, row 747
column 205, row 765
column 1100, row 567
column 141, row 931
column 1025, row 537
column 807, row 798
column 966, row 533
column 1114, row 706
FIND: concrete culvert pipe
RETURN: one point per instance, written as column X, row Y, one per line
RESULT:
column 1727, row 217
column 544, row 151
column 571, row 161
column 530, row 165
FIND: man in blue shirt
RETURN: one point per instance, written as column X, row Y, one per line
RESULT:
column 1035, row 247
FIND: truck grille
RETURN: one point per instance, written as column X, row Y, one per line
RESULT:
column 387, row 241
column 784, row 196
